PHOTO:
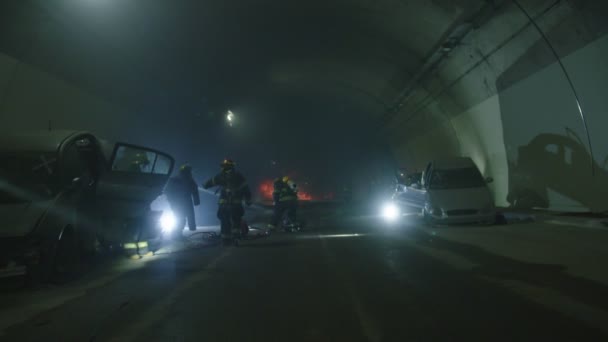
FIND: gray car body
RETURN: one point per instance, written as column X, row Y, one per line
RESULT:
column 96, row 205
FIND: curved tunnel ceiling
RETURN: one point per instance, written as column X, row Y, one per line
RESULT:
column 222, row 50
column 441, row 77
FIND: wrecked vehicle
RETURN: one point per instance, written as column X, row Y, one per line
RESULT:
column 66, row 194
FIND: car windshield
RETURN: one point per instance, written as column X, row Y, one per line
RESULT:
column 27, row 177
column 456, row 179
column 414, row 178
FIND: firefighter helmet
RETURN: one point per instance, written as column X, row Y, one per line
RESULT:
column 228, row 164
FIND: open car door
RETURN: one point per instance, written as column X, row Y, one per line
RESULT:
column 133, row 178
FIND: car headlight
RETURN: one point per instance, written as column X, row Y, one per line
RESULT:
column 391, row 212
column 168, row 222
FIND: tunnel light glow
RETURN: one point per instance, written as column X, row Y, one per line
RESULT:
column 391, row 212
column 168, row 222
column 230, row 118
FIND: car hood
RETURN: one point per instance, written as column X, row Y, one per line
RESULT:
column 18, row 219
column 468, row 198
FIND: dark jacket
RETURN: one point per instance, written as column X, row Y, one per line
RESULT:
column 234, row 188
column 182, row 189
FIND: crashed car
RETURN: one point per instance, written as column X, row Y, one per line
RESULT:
column 65, row 194
column 454, row 191
column 449, row 191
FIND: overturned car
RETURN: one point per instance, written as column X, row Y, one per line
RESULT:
column 66, row 194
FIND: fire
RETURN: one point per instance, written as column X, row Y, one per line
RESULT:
column 267, row 187
column 304, row 196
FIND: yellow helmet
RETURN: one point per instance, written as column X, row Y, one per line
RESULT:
column 285, row 179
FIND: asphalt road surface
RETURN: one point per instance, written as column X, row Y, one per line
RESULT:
column 341, row 280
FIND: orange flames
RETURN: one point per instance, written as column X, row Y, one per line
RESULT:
column 266, row 188
column 304, row 196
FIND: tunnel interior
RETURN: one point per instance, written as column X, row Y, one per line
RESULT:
column 333, row 92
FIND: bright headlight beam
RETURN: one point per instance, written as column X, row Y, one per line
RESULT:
column 168, row 222
column 390, row 212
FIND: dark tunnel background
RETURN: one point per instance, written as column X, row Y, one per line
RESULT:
column 333, row 93
column 173, row 84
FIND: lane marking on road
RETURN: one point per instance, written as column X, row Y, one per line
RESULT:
column 370, row 328
column 156, row 311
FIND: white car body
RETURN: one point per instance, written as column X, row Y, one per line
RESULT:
column 451, row 191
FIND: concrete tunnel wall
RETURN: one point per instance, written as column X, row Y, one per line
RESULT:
column 502, row 99
column 31, row 99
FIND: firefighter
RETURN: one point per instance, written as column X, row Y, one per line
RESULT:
column 182, row 194
column 285, row 198
column 233, row 191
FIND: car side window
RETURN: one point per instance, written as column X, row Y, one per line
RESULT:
column 134, row 160
column 162, row 165
column 139, row 160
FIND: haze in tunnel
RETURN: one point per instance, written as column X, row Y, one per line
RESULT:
column 331, row 90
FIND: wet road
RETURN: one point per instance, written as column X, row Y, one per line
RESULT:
column 343, row 281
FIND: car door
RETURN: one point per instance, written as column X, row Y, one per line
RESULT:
column 133, row 178
column 412, row 195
